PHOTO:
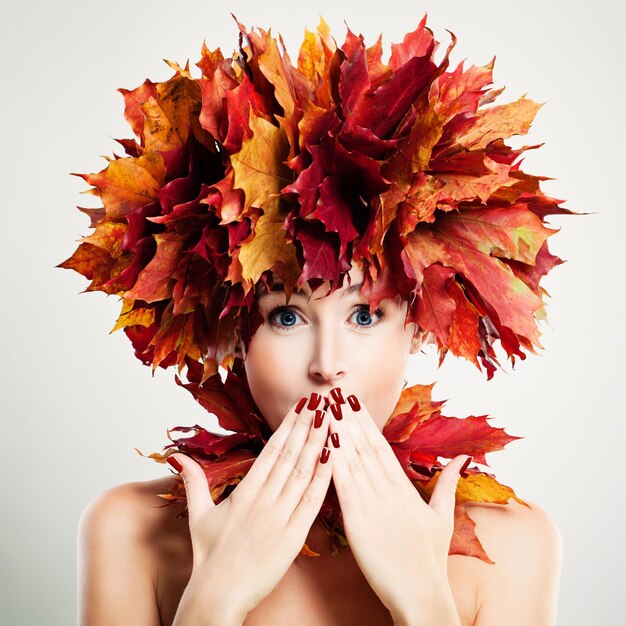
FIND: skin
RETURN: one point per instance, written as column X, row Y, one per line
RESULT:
column 396, row 569
column 327, row 343
column 323, row 342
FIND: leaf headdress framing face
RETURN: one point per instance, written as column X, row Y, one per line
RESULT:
column 260, row 169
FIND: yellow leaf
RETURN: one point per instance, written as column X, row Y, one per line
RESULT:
column 260, row 172
column 267, row 249
column 259, row 168
column 133, row 317
column 170, row 117
column 128, row 184
column 108, row 235
column 500, row 122
column 276, row 70
column 478, row 488
column 315, row 51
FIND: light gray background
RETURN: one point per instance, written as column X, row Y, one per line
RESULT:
column 75, row 402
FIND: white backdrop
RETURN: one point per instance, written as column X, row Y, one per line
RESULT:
column 75, row 402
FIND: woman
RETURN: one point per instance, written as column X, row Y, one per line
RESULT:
column 239, row 563
column 336, row 139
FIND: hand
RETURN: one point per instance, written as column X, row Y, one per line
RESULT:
column 246, row 544
column 400, row 542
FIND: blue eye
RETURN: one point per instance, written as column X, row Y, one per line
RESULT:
column 284, row 318
column 285, row 315
column 363, row 315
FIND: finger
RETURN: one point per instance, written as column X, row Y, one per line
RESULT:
column 371, row 443
column 361, row 469
column 369, row 449
column 302, row 474
column 443, row 497
column 286, row 458
column 199, row 499
column 258, row 473
column 313, row 496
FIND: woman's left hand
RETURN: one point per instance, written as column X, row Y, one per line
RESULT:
column 400, row 542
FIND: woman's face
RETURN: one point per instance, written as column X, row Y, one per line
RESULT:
column 316, row 343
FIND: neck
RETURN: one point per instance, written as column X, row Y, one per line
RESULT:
column 318, row 541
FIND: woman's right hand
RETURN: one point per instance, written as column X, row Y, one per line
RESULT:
column 244, row 546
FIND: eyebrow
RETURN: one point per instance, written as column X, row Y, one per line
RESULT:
column 280, row 288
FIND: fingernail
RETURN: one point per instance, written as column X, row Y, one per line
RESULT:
column 354, row 403
column 314, row 401
column 175, row 463
column 319, row 418
column 325, row 455
column 300, row 405
column 465, row 465
column 337, row 395
column 337, row 412
column 335, row 439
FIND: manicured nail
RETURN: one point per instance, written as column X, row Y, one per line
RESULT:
column 175, row 463
column 337, row 412
column 314, row 401
column 300, row 405
column 465, row 465
column 337, row 395
column 325, row 455
column 319, row 418
column 335, row 439
column 354, row 403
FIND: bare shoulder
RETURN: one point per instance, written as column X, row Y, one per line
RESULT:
column 129, row 510
column 120, row 535
column 495, row 524
column 521, row 587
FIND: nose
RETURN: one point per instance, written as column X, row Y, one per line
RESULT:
column 328, row 363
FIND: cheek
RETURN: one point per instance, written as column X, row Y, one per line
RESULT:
column 270, row 369
column 276, row 370
column 381, row 371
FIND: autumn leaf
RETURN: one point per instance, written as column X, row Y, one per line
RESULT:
column 127, row 184
column 94, row 263
column 170, row 116
column 155, row 282
column 260, row 173
column 226, row 459
column 260, row 168
column 436, row 309
column 130, row 316
column 500, row 122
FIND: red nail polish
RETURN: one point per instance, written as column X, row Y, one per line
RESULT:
column 319, row 418
column 300, row 405
column 337, row 412
column 314, row 401
column 354, row 403
column 175, row 463
column 337, row 395
column 335, row 439
column 325, row 455
column 464, row 466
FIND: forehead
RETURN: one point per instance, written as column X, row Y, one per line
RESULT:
column 320, row 292
column 351, row 284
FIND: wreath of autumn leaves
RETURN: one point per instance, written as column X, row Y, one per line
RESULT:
column 261, row 169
